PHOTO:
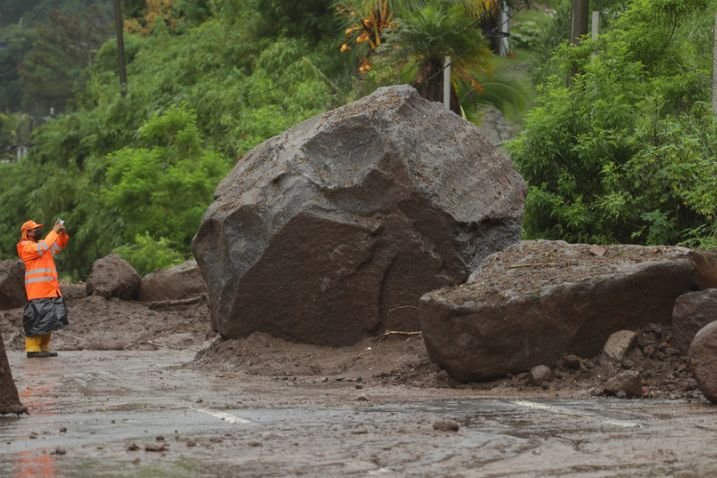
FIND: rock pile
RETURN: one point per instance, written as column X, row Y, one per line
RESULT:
column 332, row 230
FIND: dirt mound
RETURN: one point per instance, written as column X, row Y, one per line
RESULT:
column 97, row 323
column 391, row 359
column 403, row 360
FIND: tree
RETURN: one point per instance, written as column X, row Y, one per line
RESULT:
column 627, row 153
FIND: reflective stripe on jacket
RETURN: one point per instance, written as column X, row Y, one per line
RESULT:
column 40, row 271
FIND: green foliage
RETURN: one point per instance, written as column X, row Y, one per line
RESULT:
column 627, row 152
column 147, row 254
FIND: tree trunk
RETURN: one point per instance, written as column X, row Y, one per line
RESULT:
column 429, row 83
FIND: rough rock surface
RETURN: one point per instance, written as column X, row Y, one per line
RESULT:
column 703, row 360
column 537, row 300
column 9, row 399
column 333, row 230
column 112, row 276
column 619, row 344
column 179, row 282
column 12, row 284
column 692, row 311
column 628, row 382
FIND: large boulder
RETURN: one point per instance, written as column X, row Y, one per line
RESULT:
column 332, row 230
column 692, row 311
column 112, row 276
column 12, row 284
column 9, row 399
column 538, row 300
column 179, row 282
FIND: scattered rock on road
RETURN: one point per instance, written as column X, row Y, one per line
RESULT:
column 332, row 230
column 179, row 282
column 112, row 276
column 12, row 284
column 692, row 311
column 619, row 344
column 537, row 300
column 446, row 425
column 628, row 382
column 703, row 360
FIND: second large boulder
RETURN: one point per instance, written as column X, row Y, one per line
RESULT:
column 538, row 300
column 332, row 230
column 179, row 282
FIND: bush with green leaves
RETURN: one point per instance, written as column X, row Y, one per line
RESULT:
column 626, row 153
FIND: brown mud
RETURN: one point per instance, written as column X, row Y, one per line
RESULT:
column 390, row 359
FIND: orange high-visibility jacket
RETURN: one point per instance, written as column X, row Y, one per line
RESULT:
column 40, row 272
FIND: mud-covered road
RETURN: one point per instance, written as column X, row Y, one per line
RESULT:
column 90, row 409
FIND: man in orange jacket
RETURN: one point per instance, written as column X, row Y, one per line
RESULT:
column 45, row 311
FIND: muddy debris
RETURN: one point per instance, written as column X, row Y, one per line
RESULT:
column 703, row 360
column 156, row 447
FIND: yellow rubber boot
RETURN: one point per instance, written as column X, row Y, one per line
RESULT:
column 33, row 344
column 45, row 342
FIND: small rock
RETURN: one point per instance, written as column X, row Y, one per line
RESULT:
column 628, row 364
column 361, row 398
column 159, row 438
column 63, row 429
column 59, row 451
column 619, row 344
column 132, row 447
column 156, row 447
column 254, row 444
column 446, row 425
column 597, row 391
column 136, row 461
column 628, row 381
column 540, row 374
column 191, row 443
column 572, row 362
column 621, row 394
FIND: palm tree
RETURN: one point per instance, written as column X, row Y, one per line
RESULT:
column 415, row 36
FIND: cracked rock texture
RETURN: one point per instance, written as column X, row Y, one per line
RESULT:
column 332, row 230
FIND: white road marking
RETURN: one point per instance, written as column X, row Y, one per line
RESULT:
column 227, row 417
column 567, row 411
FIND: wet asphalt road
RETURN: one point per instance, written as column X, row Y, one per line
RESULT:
column 89, row 408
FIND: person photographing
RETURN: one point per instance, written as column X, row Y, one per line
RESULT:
column 45, row 310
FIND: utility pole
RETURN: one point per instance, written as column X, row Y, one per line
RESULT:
column 596, row 26
column 504, row 41
column 120, row 48
column 714, row 70
column 447, row 83
column 579, row 23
